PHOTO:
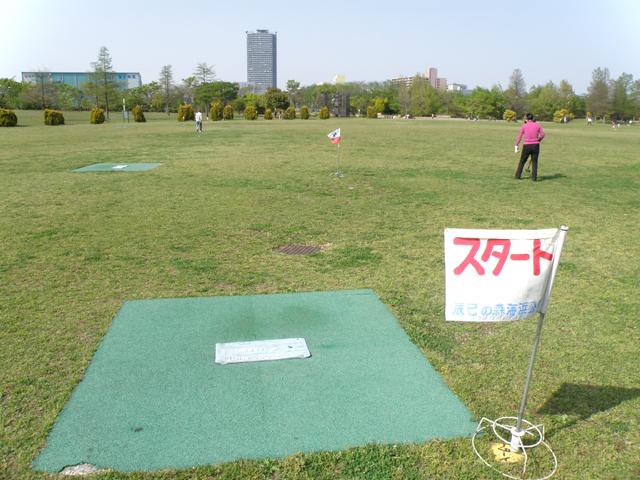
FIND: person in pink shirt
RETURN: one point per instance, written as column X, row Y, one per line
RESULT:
column 533, row 135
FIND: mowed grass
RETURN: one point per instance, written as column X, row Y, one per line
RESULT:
column 75, row 246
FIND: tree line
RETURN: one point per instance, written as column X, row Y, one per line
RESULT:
column 606, row 98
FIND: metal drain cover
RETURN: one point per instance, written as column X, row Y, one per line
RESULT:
column 298, row 249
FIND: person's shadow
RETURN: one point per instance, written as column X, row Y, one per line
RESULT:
column 582, row 401
column 555, row 176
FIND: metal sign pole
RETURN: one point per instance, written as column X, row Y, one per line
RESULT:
column 338, row 173
column 532, row 359
column 543, row 311
column 511, row 448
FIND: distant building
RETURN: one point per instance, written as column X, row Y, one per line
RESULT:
column 458, row 87
column 339, row 78
column 77, row 79
column 434, row 80
column 406, row 81
column 262, row 60
column 431, row 76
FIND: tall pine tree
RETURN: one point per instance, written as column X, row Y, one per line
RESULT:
column 102, row 69
column 598, row 93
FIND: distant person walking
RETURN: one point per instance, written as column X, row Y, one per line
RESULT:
column 198, row 121
column 533, row 135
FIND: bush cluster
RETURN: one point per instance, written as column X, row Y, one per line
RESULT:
column 324, row 113
column 227, row 112
column 96, row 115
column 290, row 113
column 560, row 115
column 216, row 111
column 509, row 115
column 185, row 113
column 268, row 114
column 138, row 114
column 304, row 113
column 53, row 117
column 250, row 113
column 372, row 112
column 8, row 118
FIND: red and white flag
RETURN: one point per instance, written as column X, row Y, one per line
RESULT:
column 335, row 136
column 499, row 275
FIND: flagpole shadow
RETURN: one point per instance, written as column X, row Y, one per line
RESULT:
column 582, row 401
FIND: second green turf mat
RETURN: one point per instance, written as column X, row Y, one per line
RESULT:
column 153, row 397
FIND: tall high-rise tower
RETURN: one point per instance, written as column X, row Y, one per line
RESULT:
column 262, row 69
column 433, row 77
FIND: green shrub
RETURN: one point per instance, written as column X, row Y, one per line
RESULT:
column 238, row 104
column 509, row 115
column 96, row 116
column 227, row 112
column 216, row 111
column 304, row 113
column 372, row 112
column 8, row 118
column 250, row 113
column 185, row 113
column 324, row 113
column 381, row 105
column 290, row 113
column 268, row 114
column 560, row 115
column 53, row 117
column 138, row 114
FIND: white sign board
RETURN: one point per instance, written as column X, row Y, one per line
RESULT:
column 498, row 275
column 261, row 350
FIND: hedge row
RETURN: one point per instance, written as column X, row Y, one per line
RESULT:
column 8, row 118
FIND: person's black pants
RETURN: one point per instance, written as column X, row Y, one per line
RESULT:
column 534, row 151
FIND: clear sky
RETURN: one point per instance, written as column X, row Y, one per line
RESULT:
column 471, row 42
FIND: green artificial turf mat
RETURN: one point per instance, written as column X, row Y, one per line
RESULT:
column 153, row 397
column 117, row 167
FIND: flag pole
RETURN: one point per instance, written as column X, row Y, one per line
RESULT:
column 338, row 174
column 543, row 310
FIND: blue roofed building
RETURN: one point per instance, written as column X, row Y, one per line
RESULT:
column 77, row 79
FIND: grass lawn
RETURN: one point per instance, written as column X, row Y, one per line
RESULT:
column 208, row 221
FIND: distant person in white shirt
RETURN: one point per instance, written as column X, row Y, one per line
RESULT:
column 198, row 121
